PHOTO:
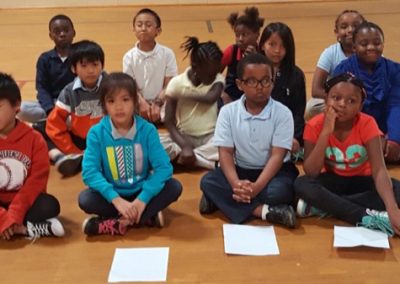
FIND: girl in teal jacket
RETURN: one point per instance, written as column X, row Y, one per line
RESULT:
column 126, row 169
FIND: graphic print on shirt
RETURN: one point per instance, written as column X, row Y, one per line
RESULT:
column 92, row 108
column 125, row 162
column 13, row 169
column 353, row 157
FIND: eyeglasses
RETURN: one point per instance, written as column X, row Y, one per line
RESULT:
column 253, row 83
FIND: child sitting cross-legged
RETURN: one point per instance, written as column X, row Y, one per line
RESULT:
column 77, row 109
column 254, row 137
column 128, row 172
column 25, row 207
column 346, row 176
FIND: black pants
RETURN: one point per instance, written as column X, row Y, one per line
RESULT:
column 92, row 202
column 41, row 127
column 346, row 198
column 46, row 206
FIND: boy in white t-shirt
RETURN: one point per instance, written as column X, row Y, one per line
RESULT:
column 151, row 64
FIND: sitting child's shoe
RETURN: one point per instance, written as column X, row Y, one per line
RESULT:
column 100, row 226
column 49, row 227
column 377, row 220
column 282, row 214
column 156, row 221
column 69, row 165
column 206, row 206
column 306, row 210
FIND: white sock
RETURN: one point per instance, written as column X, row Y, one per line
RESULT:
column 264, row 212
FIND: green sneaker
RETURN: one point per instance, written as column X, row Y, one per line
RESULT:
column 306, row 210
column 377, row 220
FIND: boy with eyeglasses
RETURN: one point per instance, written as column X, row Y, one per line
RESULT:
column 254, row 137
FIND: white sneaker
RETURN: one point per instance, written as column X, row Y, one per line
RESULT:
column 50, row 227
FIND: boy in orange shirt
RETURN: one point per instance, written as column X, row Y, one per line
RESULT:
column 79, row 103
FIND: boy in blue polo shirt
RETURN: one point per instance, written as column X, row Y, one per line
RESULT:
column 254, row 137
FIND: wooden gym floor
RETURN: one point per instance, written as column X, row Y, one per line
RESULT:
column 196, row 242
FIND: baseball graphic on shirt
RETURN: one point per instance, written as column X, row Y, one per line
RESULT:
column 5, row 175
column 12, row 174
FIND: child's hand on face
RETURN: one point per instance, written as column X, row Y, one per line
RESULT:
column 392, row 151
column 330, row 119
column 250, row 49
column 139, row 206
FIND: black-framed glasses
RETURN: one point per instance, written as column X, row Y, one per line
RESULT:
column 253, row 83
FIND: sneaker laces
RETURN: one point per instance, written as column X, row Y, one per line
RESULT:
column 108, row 227
column 37, row 230
column 380, row 220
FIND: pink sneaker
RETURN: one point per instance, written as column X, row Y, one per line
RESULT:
column 100, row 226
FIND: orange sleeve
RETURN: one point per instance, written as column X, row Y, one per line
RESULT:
column 57, row 130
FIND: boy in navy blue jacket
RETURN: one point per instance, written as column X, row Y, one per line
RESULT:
column 53, row 72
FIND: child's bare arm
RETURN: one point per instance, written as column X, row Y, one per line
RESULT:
column 270, row 169
column 228, row 165
column 319, row 79
column 314, row 154
column 383, row 182
column 212, row 95
column 170, row 124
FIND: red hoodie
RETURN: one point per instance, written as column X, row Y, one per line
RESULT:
column 24, row 171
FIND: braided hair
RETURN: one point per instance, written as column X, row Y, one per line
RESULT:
column 201, row 52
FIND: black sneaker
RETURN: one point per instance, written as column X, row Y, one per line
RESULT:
column 155, row 221
column 69, row 165
column 48, row 228
column 100, row 226
column 206, row 206
column 282, row 214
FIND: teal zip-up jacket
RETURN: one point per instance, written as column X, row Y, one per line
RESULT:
column 123, row 166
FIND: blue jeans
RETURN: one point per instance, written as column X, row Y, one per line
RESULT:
column 92, row 202
column 279, row 190
column 345, row 198
column 31, row 112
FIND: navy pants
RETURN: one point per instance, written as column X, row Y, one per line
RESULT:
column 279, row 190
column 92, row 202
column 345, row 198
